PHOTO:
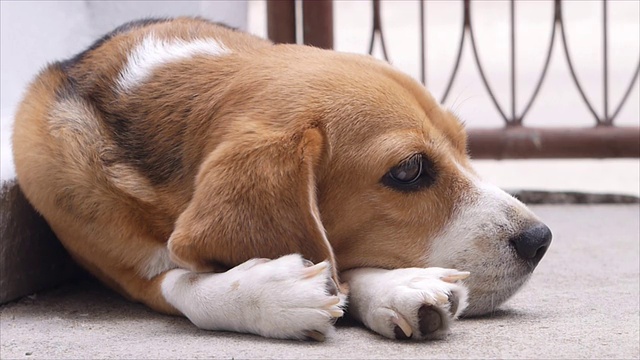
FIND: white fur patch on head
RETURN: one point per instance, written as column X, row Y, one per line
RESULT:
column 153, row 52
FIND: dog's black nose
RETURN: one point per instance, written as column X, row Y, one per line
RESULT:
column 531, row 244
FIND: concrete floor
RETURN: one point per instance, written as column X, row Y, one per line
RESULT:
column 582, row 302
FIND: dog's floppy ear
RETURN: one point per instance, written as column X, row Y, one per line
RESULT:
column 255, row 196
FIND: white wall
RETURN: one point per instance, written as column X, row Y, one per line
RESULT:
column 35, row 33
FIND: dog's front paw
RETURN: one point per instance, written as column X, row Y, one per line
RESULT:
column 285, row 298
column 411, row 303
column 297, row 298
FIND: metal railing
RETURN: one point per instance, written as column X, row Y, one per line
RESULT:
column 514, row 140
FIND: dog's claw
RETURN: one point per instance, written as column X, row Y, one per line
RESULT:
column 460, row 275
column 333, row 302
column 307, row 263
column 314, row 270
column 402, row 325
column 441, row 298
column 314, row 335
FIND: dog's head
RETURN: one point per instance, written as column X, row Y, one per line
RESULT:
column 346, row 146
column 399, row 189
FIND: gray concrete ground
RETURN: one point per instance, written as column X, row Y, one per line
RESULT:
column 582, row 302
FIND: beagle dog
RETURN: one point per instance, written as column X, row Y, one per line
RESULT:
column 254, row 187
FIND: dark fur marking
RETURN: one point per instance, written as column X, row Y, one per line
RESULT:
column 219, row 24
column 158, row 159
column 69, row 87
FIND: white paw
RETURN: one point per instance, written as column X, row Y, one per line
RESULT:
column 286, row 298
column 293, row 298
column 413, row 303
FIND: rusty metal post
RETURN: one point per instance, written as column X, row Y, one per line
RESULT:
column 317, row 23
column 281, row 21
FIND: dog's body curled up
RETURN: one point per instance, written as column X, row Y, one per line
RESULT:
column 251, row 186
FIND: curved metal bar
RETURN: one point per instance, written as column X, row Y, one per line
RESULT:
column 605, row 63
column 467, row 6
column 423, row 55
column 512, row 13
column 544, row 68
column 570, row 63
column 454, row 72
column 377, row 28
column 376, row 23
column 626, row 93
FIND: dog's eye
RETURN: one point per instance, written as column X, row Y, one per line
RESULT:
column 412, row 174
column 408, row 171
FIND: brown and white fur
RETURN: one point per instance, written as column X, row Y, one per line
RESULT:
column 203, row 171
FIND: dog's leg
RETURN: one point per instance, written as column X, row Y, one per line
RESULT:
column 285, row 298
column 288, row 297
column 412, row 303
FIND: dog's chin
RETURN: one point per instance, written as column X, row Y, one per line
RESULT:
column 486, row 296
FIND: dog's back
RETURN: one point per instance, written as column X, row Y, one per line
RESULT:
column 109, row 156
